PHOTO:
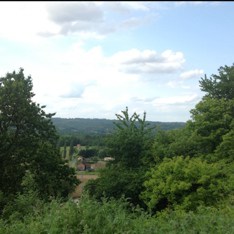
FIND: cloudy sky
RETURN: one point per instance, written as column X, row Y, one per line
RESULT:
column 92, row 59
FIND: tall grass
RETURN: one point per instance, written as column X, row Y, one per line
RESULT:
column 112, row 216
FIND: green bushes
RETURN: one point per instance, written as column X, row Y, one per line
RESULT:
column 114, row 216
column 116, row 182
column 186, row 183
column 204, row 220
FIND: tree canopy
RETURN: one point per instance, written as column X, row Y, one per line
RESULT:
column 130, row 142
column 221, row 85
column 28, row 141
column 186, row 183
column 196, row 162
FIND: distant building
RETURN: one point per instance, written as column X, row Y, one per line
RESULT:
column 81, row 167
column 80, row 158
column 84, row 167
column 106, row 159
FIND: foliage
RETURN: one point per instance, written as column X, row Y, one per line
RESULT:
column 25, row 202
column 130, row 143
column 211, row 120
column 130, row 147
column 221, row 85
column 114, row 216
column 184, row 175
column 204, row 220
column 71, row 149
column 211, row 124
column 175, row 142
column 209, row 133
column 28, row 141
column 88, row 152
column 226, row 149
column 186, row 183
column 116, row 182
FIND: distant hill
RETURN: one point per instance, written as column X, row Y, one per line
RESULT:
column 100, row 126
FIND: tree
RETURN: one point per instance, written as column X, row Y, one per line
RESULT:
column 71, row 149
column 65, row 150
column 221, row 85
column 115, row 181
column 211, row 120
column 184, row 182
column 213, row 115
column 131, row 142
column 226, row 149
column 28, row 141
column 203, row 177
column 130, row 146
column 173, row 143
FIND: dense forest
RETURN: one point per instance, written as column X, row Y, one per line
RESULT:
column 174, row 181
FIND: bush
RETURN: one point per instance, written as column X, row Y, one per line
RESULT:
column 114, row 216
column 186, row 183
column 115, row 182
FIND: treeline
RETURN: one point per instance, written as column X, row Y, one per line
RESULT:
column 82, row 126
column 82, row 139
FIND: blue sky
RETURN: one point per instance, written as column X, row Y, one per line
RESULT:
column 92, row 59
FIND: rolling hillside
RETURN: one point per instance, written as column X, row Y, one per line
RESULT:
column 100, row 126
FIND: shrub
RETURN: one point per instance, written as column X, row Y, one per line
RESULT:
column 186, row 183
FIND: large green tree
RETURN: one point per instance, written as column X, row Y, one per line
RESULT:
column 211, row 120
column 207, row 140
column 28, row 141
column 211, row 123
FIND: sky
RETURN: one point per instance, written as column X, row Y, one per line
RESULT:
column 94, row 59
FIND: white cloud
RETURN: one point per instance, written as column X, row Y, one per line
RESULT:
column 22, row 21
column 78, row 79
column 194, row 3
column 148, row 61
column 68, row 12
column 29, row 21
column 175, row 100
column 94, row 18
column 196, row 73
column 124, row 7
column 76, row 16
column 78, row 82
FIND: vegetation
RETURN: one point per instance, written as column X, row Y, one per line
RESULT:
column 28, row 143
column 130, row 147
column 182, row 168
column 186, row 183
column 194, row 165
column 175, row 181
column 111, row 216
column 93, row 127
